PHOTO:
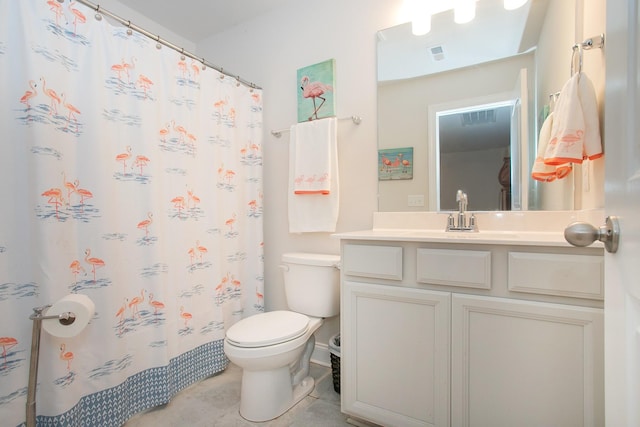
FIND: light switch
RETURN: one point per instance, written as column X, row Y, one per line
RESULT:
column 415, row 200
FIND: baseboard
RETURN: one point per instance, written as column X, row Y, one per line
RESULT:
column 321, row 355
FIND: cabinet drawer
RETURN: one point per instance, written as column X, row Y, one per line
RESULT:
column 579, row 276
column 382, row 262
column 452, row 267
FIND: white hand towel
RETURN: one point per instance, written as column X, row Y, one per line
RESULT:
column 575, row 133
column 592, row 148
column 541, row 171
column 314, row 141
column 315, row 212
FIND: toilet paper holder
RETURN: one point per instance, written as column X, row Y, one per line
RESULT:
column 38, row 315
column 66, row 318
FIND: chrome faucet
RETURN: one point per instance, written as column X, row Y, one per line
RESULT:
column 463, row 201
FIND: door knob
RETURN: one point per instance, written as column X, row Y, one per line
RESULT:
column 584, row 234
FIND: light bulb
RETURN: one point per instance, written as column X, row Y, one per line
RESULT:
column 464, row 11
column 421, row 25
column 421, row 17
column 513, row 4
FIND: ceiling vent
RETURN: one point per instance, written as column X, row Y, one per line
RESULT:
column 478, row 117
column 437, row 53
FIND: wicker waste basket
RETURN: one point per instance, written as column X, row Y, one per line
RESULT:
column 334, row 350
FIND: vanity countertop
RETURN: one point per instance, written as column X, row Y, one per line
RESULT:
column 499, row 228
column 528, row 238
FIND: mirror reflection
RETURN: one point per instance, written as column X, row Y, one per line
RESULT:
column 474, row 152
column 512, row 60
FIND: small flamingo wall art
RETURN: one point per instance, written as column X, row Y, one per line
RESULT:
column 316, row 85
column 395, row 163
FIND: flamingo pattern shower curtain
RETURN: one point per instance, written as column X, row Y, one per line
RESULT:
column 133, row 176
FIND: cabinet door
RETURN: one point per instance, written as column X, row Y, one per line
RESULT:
column 395, row 354
column 522, row 363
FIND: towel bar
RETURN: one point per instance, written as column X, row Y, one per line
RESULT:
column 355, row 119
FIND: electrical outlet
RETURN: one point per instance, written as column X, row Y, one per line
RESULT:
column 415, row 200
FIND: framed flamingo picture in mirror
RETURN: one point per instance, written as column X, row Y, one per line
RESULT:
column 395, row 163
column 316, row 85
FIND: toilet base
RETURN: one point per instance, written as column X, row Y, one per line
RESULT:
column 266, row 395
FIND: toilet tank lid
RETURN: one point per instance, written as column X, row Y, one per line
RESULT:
column 307, row 258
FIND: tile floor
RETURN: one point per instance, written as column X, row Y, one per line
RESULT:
column 215, row 401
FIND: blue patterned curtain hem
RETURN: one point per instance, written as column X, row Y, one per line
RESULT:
column 144, row 390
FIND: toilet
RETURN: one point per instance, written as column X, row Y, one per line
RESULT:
column 274, row 348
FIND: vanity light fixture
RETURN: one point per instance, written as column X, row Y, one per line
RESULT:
column 464, row 11
column 513, row 4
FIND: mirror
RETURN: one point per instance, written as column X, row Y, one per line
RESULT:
column 427, row 83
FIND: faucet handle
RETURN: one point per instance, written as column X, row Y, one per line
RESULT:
column 473, row 223
column 451, row 223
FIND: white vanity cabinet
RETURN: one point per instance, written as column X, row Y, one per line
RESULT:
column 437, row 334
column 525, row 363
column 397, row 340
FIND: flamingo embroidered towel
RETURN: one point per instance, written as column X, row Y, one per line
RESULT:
column 541, row 171
column 314, row 144
column 575, row 132
column 314, row 211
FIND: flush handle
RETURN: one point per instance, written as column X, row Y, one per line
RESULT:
column 584, row 234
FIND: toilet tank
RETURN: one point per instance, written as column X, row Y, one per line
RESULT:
column 312, row 283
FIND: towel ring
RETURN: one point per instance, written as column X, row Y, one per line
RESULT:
column 576, row 47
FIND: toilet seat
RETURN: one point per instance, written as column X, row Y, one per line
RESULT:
column 267, row 329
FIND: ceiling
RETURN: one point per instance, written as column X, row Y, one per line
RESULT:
column 196, row 20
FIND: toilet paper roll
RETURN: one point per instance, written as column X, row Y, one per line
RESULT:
column 79, row 305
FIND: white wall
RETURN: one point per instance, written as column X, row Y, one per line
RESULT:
column 125, row 12
column 560, row 32
column 268, row 51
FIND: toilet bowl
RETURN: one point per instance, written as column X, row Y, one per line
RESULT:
column 274, row 348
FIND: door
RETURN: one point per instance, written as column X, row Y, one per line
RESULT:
column 622, row 199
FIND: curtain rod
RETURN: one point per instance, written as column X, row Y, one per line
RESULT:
column 356, row 119
column 157, row 38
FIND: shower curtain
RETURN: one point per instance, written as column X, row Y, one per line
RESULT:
column 133, row 176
